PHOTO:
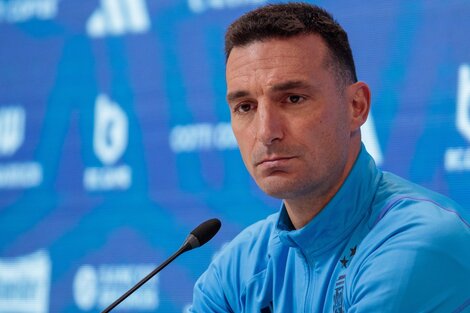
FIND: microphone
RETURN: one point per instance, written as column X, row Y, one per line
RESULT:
column 198, row 237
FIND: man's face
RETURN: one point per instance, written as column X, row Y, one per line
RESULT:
column 292, row 120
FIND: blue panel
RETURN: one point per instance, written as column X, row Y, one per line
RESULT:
column 115, row 137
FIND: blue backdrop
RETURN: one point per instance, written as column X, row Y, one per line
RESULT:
column 115, row 139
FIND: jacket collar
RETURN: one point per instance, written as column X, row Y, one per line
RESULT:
column 340, row 216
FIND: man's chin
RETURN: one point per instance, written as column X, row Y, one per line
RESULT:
column 278, row 189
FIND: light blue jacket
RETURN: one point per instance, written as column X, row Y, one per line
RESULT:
column 382, row 244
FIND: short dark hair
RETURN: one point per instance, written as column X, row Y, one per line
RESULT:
column 293, row 19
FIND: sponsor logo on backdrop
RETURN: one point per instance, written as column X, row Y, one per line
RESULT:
column 118, row 17
column 25, row 283
column 12, row 130
column 16, row 11
column 458, row 158
column 201, row 137
column 96, row 287
column 199, row 6
column 110, row 139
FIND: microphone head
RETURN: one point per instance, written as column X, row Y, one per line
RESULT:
column 206, row 230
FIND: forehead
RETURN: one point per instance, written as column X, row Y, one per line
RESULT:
column 302, row 55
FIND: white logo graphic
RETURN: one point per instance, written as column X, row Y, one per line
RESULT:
column 20, row 175
column 463, row 102
column 12, row 134
column 118, row 17
column 25, row 283
column 22, row 10
column 204, row 136
column 99, row 287
column 199, row 6
column 458, row 158
column 369, row 137
column 12, row 128
column 110, row 138
column 111, row 129
column 84, row 287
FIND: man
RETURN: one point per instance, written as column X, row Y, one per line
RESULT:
column 348, row 237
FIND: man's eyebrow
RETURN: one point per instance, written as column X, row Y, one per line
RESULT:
column 288, row 85
column 231, row 96
column 292, row 84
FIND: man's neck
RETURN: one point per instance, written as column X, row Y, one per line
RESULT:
column 303, row 209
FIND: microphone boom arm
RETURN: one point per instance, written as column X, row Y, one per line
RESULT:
column 198, row 237
column 146, row 278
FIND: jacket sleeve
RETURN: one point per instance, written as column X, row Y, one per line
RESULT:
column 415, row 265
column 208, row 295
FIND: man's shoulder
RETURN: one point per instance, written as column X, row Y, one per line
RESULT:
column 253, row 241
column 242, row 258
column 236, row 264
column 397, row 196
column 404, row 212
column 411, row 251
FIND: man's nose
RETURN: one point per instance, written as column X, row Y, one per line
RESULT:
column 269, row 124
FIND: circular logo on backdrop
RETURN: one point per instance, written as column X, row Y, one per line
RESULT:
column 85, row 287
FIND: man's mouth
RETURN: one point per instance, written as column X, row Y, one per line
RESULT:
column 274, row 161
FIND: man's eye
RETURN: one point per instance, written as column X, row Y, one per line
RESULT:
column 243, row 108
column 294, row 99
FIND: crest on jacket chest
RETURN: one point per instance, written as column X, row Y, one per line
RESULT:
column 338, row 295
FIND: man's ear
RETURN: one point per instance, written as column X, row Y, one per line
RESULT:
column 359, row 103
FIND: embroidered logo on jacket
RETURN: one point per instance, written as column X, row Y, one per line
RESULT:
column 338, row 297
column 338, row 306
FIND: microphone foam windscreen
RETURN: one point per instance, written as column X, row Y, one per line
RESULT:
column 206, row 230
